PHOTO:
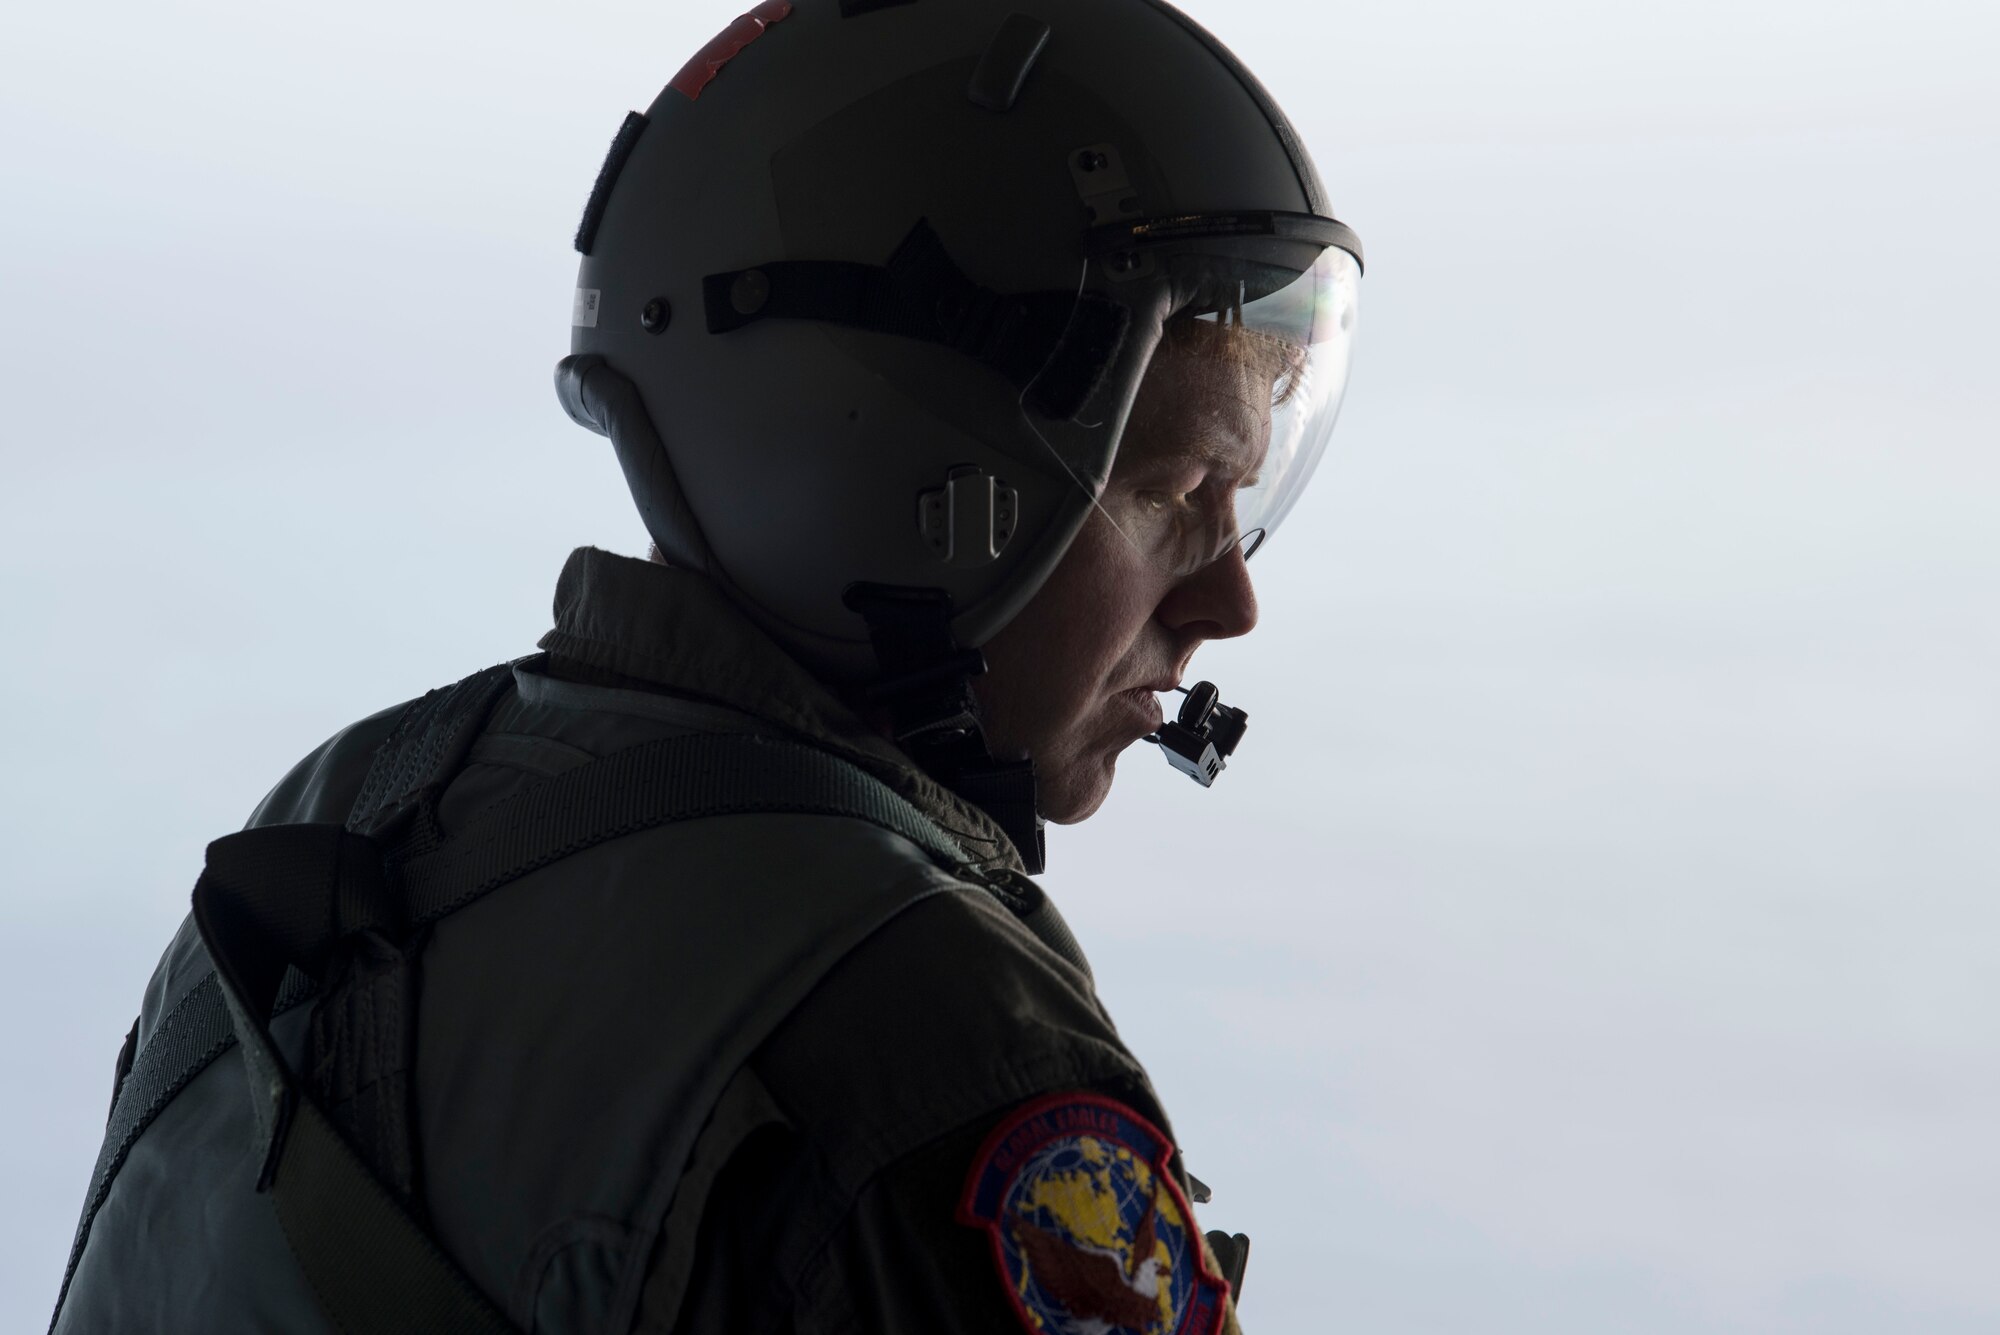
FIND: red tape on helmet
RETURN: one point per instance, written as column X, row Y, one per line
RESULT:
column 726, row 45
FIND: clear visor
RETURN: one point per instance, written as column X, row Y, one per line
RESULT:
column 1239, row 391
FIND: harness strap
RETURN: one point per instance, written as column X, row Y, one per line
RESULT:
column 372, row 1266
column 645, row 786
column 926, row 684
column 193, row 1034
column 428, row 744
column 427, row 748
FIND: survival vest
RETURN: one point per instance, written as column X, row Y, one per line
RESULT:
column 279, row 1189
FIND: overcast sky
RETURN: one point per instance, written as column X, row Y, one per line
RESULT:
column 1594, row 932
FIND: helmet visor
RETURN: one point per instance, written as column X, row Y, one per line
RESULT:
column 1245, row 365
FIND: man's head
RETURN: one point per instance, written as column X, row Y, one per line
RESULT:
column 884, row 382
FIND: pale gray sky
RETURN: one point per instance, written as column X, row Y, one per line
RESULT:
column 1595, row 931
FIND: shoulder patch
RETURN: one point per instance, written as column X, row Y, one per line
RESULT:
column 1090, row 1231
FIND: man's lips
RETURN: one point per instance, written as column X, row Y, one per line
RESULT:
column 1144, row 701
column 1159, row 685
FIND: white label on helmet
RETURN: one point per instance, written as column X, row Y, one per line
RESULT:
column 583, row 311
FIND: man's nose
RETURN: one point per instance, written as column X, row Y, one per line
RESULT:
column 1215, row 602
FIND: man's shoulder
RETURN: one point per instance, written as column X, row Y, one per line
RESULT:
column 948, row 1011
column 947, row 1023
column 322, row 787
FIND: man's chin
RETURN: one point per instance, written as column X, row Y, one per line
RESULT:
column 1072, row 792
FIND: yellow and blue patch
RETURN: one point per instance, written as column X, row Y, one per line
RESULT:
column 1090, row 1230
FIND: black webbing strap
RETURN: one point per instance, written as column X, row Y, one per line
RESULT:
column 926, row 684
column 283, row 895
column 652, row 784
column 427, row 745
column 1053, row 346
column 926, row 679
column 193, row 1034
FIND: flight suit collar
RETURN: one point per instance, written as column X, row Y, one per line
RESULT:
column 675, row 630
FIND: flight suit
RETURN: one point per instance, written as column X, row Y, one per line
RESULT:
column 744, row 1073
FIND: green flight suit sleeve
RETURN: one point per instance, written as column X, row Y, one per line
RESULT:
column 902, row 1263
column 840, row 1213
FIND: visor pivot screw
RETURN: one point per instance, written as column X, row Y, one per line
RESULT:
column 1090, row 160
column 655, row 316
column 1125, row 261
column 749, row 292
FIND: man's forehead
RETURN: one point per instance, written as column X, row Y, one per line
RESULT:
column 1205, row 401
column 1221, row 434
column 1227, row 452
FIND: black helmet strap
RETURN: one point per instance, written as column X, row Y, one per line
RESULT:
column 926, row 684
column 1053, row 346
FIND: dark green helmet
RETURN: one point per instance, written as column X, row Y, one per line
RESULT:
column 869, row 291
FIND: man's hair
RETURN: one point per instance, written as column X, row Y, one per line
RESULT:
column 1259, row 369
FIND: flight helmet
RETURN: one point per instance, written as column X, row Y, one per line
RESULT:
column 869, row 292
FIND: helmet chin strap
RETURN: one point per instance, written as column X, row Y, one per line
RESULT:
column 926, row 685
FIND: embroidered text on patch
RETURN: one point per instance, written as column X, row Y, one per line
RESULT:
column 1089, row 1229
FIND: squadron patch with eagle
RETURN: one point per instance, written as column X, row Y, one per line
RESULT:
column 1090, row 1231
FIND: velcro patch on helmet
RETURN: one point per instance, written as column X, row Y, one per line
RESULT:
column 1090, row 1231
column 600, row 193
column 726, row 45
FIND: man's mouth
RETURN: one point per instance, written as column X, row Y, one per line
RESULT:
column 1144, row 701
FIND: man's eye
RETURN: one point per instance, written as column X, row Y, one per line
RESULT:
column 1161, row 502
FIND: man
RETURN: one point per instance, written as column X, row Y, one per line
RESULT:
column 687, row 976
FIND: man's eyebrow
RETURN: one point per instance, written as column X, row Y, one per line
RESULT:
column 1223, row 457
column 1218, row 450
column 1203, row 450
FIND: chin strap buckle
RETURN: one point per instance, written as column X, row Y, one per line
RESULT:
column 926, row 685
